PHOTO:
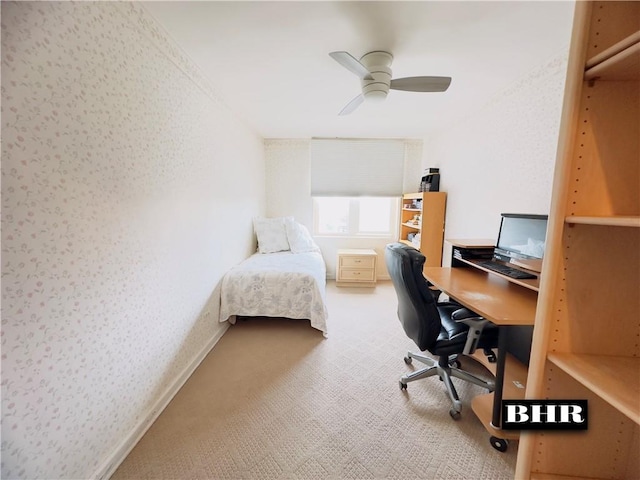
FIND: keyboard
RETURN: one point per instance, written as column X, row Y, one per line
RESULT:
column 505, row 270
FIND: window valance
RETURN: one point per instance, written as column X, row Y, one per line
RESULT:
column 357, row 167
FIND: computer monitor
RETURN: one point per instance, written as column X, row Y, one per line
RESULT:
column 521, row 240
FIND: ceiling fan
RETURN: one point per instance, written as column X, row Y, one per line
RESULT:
column 374, row 70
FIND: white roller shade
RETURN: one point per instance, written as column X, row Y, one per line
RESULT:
column 356, row 167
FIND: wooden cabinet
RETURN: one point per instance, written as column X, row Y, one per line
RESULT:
column 586, row 342
column 422, row 224
column 356, row 267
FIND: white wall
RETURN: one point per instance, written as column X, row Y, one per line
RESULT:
column 289, row 193
column 128, row 190
column 501, row 157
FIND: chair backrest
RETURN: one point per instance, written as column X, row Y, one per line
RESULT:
column 417, row 309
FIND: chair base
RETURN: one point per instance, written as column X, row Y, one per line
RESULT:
column 443, row 369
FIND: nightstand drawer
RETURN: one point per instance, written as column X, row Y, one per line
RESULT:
column 356, row 267
column 367, row 275
column 357, row 262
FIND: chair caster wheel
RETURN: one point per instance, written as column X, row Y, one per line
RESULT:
column 455, row 414
column 408, row 360
column 403, row 386
column 499, row 444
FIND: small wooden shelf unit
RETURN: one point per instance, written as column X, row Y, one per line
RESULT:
column 586, row 342
column 431, row 226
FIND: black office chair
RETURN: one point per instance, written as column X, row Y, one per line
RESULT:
column 445, row 329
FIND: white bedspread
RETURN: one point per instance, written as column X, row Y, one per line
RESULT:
column 283, row 284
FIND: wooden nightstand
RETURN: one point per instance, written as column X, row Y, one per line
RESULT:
column 356, row 267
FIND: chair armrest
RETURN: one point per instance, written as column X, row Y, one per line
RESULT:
column 476, row 324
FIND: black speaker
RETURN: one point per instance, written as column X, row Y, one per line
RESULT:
column 430, row 181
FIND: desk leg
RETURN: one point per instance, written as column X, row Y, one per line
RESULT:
column 496, row 421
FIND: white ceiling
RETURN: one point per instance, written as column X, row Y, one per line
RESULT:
column 269, row 60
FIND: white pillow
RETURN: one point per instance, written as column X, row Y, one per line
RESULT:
column 299, row 238
column 271, row 233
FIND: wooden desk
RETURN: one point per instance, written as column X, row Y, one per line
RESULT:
column 502, row 302
column 494, row 297
column 472, row 242
column 483, row 245
column 530, row 283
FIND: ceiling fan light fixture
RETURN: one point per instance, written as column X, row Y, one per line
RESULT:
column 378, row 63
column 374, row 70
column 375, row 96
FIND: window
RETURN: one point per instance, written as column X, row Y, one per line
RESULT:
column 356, row 216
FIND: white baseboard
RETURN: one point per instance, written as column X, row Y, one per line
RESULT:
column 110, row 465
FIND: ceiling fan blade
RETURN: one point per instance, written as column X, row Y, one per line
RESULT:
column 352, row 64
column 421, row 84
column 352, row 105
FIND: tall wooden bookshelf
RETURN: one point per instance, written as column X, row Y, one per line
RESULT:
column 586, row 341
column 429, row 208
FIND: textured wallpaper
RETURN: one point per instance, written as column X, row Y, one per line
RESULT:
column 124, row 178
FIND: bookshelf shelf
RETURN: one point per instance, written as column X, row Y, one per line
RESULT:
column 585, row 343
column 430, row 207
column 614, row 379
column 611, row 221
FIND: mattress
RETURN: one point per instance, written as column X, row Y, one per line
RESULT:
column 282, row 284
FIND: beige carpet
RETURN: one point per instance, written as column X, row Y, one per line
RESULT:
column 276, row 400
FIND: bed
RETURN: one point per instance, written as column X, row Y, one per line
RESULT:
column 283, row 283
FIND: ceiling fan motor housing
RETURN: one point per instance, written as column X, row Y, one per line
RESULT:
column 379, row 65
